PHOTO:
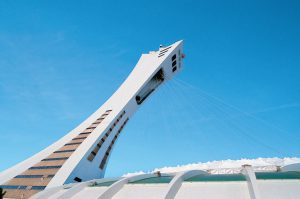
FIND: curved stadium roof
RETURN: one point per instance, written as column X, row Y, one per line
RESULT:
column 248, row 184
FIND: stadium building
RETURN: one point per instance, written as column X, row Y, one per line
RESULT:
column 74, row 166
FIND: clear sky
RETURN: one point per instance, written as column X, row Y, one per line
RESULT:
column 237, row 97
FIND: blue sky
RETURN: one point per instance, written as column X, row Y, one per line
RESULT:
column 237, row 97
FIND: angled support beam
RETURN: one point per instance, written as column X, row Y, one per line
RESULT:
column 74, row 190
column 117, row 186
column 251, row 181
column 176, row 182
column 48, row 192
column 79, row 187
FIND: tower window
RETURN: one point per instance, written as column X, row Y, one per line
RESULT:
column 173, row 57
column 77, row 179
column 155, row 81
column 174, row 63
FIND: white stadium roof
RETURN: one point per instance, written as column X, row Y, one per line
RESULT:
column 283, row 183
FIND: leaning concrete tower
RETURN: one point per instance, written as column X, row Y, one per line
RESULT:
column 83, row 153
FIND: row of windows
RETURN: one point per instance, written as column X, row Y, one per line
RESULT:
column 29, row 176
column 64, row 151
column 34, row 176
column 98, row 121
column 23, row 187
column 174, row 63
column 38, row 187
column 165, row 50
column 162, row 52
column 80, row 138
column 104, row 160
column 103, row 116
column 173, row 57
column 45, row 167
column 41, row 175
column 89, row 129
column 52, row 159
column 92, row 126
column 13, row 187
column 84, row 133
column 99, row 144
column 74, row 143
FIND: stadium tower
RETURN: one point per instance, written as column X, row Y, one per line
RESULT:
column 83, row 153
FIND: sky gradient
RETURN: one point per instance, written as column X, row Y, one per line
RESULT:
column 237, row 97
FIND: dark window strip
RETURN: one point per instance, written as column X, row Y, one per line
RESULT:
column 173, row 57
column 90, row 157
column 38, row 187
column 45, row 167
column 82, row 138
column 174, row 63
column 29, row 176
column 106, row 135
column 77, row 179
column 91, row 127
column 100, row 143
column 164, row 51
column 75, row 143
column 64, row 151
column 84, row 133
column 166, row 47
column 51, row 159
column 13, row 187
column 22, row 187
column 103, row 162
column 34, row 176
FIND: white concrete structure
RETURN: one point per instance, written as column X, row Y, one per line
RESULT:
column 82, row 154
column 193, row 184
